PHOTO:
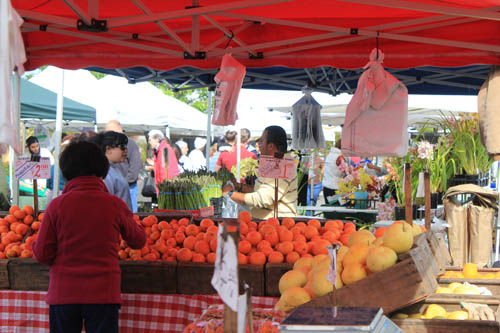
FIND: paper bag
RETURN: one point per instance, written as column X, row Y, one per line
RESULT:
column 456, row 217
column 480, row 234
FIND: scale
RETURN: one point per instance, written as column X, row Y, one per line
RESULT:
column 339, row 320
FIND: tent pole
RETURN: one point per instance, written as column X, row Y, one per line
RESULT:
column 14, row 183
column 58, row 133
column 209, row 129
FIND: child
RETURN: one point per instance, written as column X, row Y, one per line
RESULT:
column 78, row 239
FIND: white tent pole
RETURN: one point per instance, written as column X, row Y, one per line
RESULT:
column 58, row 133
column 14, row 183
column 209, row 129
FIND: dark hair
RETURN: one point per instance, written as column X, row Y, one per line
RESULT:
column 177, row 151
column 277, row 135
column 245, row 135
column 31, row 140
column 83, row 159
column 109, row 139
column 84, row 136
column 230, row 136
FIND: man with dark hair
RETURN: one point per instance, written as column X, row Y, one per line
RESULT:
column 260, row 197
column 245, row 140
column 33, row 146
column 77, row 239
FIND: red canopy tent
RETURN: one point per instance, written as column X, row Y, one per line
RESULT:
column 163, row 35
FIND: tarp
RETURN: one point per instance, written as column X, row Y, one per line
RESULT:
column 261, row 33
column 40, row 103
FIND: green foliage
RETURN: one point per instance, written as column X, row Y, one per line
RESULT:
column 197, row 98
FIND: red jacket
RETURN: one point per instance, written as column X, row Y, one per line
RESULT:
column 228, row 159
column 173, row 168
column 79, row 238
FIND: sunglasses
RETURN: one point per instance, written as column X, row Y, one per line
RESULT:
column 122, row 146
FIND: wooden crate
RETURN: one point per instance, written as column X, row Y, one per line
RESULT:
column 439, row 250
column 407, row 282
column 28, row 274
column 148, row 277
column 422, row 241
column 411, row 325
column 492, row 284
column 273, row 276
column 195, row 278
column 4, row 274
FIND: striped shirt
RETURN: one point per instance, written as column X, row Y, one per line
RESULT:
column 261, row 201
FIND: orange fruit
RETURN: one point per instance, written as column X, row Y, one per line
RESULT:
column 205, row 224
column 163, row 225
column 28, row 210
column 320, row 247
column 292, row 257
column 192, row 230
column 4, row 228
column 28, row 219
column 254, row 237
column 213, row 245
column 211, row 233
column 314, row 223
column 245, row 216
column 243, row 228
column 275, row 257
column 19, row 214
column 340, row 224
column 172, row 252
column 263, row 243
column 155, row 235
column 272, row 237
column 306, row 255
column 343, row 239
column 267, row 250
column 330, row 225
column 286, row 235
column 380, row 232
column 244, row 247
column 184, row 255
column 200, row 236
column 299, row 238
column 350, row 226
column 202, row 247
column 211, row 257
column 258, row 258
column 198, row 257
column 329, row 236
column 40, row 217
column 300, row 247
column 310, row 232
column 122, row 255
column 273, row 222
column 179, row 237
column 265, row 229
column 285, row 247
column 189, row 242
column 288, row 223
column 242, row 259
column 13, row 209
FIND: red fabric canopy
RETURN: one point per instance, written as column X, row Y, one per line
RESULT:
column 291, row 33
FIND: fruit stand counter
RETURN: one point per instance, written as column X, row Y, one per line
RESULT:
column 26, row 311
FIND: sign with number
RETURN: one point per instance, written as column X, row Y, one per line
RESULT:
column 28, row 169
column 281, row 168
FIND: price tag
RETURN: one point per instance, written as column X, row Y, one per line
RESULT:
column 27, row 169
column 332, row 271
column 225, row 278
column 280, row 168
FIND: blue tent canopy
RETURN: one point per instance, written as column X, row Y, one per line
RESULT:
column 40, row 103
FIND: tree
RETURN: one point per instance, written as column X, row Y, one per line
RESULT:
column 197, row 98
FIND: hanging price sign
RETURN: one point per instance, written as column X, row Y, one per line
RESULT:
column 279, row 168
column 28, row 169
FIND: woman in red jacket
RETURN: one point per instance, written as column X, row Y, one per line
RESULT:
column 78, row 239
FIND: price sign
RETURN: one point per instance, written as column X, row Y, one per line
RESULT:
column 225, row 278
column 280, row 168
column 28, row 169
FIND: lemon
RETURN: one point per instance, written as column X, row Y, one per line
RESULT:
column 434, row 310
column 454, row 285
column 458, row 315
column 443, row 290
column 400, row 316
column 470, row 271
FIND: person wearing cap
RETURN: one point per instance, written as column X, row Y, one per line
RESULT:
column 184, row 160
column 196, row 155
column 159, row 143
column 131, row 166
column 260, row 197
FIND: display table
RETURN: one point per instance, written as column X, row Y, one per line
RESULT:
column 343, row 213
column 26, row 311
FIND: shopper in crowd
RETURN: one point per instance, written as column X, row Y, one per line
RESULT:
column 178, row 155
column 246, row 140
column 315, row 177
column 77, row 240
column 331, row 174
column 197, row 155
column 228, row 159
column 114, row 147
column 4, row 185
column 159, row 144
column 184, row 161
column 49, row 193
column 214, row 155
column 131, row 166
column 35, row 151
column 260, row 197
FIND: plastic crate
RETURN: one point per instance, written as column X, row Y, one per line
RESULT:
column 481, row 179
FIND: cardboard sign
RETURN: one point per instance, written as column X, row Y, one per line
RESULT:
column 280, row 168
column 225, row 278
column 27, row 169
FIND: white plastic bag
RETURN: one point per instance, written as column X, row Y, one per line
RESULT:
column 307, row 130
column 229, row 80
column 376, row 118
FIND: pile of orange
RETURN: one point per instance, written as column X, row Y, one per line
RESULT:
column 18, row 230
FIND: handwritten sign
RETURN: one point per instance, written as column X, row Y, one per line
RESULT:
column 280, row 168
column 225, row 278
column 27, row 169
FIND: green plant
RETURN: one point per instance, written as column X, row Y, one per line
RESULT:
column 442, row 166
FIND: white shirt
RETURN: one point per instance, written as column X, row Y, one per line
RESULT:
column 197, row 159
column 331, row 174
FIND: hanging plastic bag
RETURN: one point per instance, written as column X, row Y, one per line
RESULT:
column 307, row 130
column 229, row 80
column 376, row 118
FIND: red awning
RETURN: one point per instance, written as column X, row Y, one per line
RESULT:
column 261, row 33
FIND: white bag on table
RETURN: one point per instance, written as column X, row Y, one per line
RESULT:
column 376, row 121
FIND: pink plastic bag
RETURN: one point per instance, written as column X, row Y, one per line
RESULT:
column 229, row 80
column 376, row 121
